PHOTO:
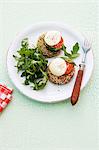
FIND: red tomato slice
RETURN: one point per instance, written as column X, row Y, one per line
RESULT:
column 70, row 67
column 59, row 45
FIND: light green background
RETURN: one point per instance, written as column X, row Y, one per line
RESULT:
column 30, row 125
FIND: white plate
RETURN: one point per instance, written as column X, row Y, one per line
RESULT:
column 51, row 92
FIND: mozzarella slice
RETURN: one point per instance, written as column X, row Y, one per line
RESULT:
column 58, row 67
column 52, row 38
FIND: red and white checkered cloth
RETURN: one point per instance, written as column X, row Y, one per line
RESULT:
column 5, row 96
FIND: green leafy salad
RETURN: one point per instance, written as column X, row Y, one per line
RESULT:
column 32, row 65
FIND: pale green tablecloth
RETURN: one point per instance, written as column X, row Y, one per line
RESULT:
column 30, row 125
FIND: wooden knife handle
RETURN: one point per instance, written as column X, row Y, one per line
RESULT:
column 77, row 85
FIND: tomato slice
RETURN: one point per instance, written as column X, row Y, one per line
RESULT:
column 69, row 69
column 59, row 45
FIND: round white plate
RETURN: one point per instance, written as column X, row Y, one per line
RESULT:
column 51, row 92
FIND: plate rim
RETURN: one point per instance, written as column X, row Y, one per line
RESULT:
column 69, row 28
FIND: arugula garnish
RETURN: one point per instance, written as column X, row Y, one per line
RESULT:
column 73, row 54
column 32, row 65
column 75, row 48
column 52, row 49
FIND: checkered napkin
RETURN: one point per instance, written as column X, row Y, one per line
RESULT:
column 5, row 96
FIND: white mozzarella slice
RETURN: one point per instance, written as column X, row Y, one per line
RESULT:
column 58, row 67
column 52, row 38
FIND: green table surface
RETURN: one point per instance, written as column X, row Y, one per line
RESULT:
column 29, row 125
